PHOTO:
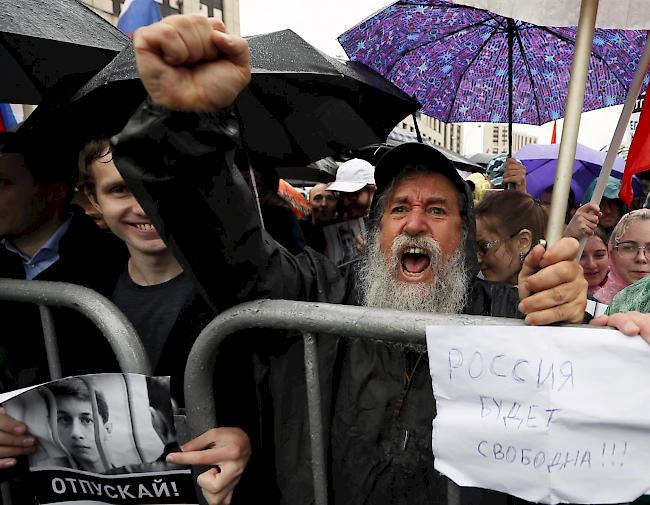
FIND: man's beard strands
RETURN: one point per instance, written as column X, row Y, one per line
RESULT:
column 378, row 286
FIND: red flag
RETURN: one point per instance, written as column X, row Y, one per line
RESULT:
column 554, row 134
column 638, row 158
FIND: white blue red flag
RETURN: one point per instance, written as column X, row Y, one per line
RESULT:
column 137, row 13
column 7, row 118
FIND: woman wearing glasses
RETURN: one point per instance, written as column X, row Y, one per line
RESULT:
column 629, row 254
column 508, row 224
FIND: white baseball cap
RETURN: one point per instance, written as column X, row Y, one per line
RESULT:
column 353, row 175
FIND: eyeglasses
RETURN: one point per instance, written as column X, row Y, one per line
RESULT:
column 483, row 247
column 632, row 249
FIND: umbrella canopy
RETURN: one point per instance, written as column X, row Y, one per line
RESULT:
column 540, row 161
column 454, row 59
column 300, row 107
column 304, row 105
column 51, row 44
column 627, row 15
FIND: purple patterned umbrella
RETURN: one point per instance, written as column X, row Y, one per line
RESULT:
column 455, row 60
column 540, row 161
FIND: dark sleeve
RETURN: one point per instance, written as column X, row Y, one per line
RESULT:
column 180, row 167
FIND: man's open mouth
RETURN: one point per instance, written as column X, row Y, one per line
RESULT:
column 415, row 260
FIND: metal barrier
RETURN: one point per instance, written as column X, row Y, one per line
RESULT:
column 114, row 325
column 309, row 318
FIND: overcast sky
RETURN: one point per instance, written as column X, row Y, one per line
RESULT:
column 319, row 22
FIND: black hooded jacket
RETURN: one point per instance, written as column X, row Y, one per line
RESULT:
column 180, row 167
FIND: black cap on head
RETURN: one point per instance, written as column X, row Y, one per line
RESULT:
column 414, row 153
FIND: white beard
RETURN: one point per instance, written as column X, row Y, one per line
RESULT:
column 378, row 287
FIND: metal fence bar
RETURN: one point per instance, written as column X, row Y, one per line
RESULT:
column 315, row 418
column 114, row 325
column 51, row 344
column 329, row 319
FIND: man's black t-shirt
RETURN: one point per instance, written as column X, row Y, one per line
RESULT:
column 152, row 310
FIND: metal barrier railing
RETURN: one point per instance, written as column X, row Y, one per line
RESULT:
column 309, row 318
column 114, row 325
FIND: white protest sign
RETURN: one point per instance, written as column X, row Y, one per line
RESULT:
column 548, row 414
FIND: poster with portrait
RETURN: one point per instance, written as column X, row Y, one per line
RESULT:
column 342, row 240
column 102, row 439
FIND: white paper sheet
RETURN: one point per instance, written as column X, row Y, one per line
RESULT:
column 547, row 414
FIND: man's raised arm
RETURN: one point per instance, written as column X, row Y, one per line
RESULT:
column 176, row 155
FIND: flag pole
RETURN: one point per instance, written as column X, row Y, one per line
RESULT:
column 617, row 138
column 573, row 111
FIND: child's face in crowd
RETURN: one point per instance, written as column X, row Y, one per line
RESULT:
column 121, row 211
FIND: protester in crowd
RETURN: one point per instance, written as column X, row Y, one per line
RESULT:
column 595, row 260
column 323, row 205
column 420, row 255
column 152, row 290
column 355, row 183
column 629, row 254
column 44, row 237
column 611, row 207
column 508, row 225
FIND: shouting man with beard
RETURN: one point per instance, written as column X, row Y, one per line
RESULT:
column 176, row 156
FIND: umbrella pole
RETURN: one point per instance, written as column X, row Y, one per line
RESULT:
column 573, row 111
column 511, row 43
column 617, row 138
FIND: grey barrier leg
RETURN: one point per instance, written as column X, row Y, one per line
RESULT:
column 315, row 419
column 51, row 344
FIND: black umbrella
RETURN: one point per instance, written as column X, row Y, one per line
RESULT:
column 301, row 105
column 51, row 44
column 319, row 171
column 307, row 105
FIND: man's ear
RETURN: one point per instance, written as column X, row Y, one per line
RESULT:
column 525, row 241
column 109, row 427
column 92, row 198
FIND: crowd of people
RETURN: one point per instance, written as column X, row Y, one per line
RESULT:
column 190, row 233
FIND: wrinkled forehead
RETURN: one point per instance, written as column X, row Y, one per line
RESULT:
column 424, row 187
